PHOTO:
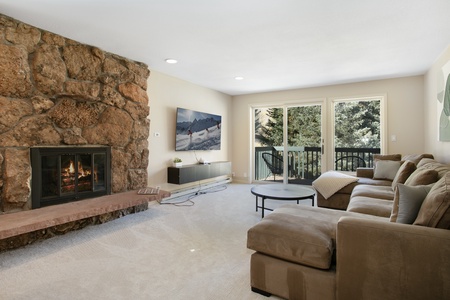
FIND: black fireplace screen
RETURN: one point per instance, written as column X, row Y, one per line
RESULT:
column 68, row 174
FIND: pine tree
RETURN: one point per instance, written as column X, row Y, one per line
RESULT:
column 304, row 126
column 357, row 124
column 272, row 131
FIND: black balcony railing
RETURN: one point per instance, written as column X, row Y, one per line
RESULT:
column 305, row 164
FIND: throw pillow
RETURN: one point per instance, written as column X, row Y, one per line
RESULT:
column 386, row 169
column 407, row 202
column 435, row 210
column 379, row 157
column 422, row 176
column 403, row 173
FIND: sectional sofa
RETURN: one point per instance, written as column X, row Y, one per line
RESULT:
column 391, row 241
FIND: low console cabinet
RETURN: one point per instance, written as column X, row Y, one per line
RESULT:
column 196, row 172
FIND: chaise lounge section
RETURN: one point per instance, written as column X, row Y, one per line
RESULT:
column 364, row 252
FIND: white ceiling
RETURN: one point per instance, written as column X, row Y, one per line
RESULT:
column 273, row 44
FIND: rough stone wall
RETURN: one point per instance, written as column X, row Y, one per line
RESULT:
column 57, row 92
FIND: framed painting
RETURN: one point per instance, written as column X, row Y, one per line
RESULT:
column 443, row 98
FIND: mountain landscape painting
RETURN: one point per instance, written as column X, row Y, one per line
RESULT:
column 197, row 130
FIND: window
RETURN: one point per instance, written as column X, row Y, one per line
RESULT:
column 357, row 133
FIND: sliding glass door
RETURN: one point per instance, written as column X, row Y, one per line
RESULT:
column 288, row 143
column 295, row 143
column 304, row 143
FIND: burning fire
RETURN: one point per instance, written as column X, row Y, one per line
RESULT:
column 77, row 177
column 81, row 172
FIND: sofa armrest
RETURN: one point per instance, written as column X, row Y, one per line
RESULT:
column 384, row 260
column 364, row 172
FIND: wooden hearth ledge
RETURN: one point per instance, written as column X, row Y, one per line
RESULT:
column 25, row 227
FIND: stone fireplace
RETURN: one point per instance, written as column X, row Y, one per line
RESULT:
column 59, row 93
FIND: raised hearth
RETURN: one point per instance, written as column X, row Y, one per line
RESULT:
column 25, row 227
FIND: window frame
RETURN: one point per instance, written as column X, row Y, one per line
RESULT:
column 331, row 126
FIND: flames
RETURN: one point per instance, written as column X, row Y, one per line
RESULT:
column 81, row 171
column 77, row 176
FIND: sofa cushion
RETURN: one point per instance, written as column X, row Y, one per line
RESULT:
column 407, row 202
column 422, row 176
column 435, row 209
column 348, row 189
column 431, row 164
column 370, row 206
column 386, row 169
column 416, row 158
column 295, row 235
column 403, row 173
column 365, row 172
column 298, row 233
column 373, row 191
column 425, row 161
column 395, row 157
column 371, row 181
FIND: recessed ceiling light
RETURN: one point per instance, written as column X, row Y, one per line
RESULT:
column 238, row 77
column 171, row 61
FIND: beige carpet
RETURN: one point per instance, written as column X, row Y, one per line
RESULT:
column 167, row 252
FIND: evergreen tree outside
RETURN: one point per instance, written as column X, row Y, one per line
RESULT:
column 357, row 124
column 304, row 126
column 270, row 127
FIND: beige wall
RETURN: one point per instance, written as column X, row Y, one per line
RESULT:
column 166, row 93
column 404, row 109
column 433, row 79
column 413, row 119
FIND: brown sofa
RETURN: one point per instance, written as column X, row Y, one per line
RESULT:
column 341, row 198
column 364, row 252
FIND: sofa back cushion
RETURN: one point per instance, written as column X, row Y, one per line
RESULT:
column 416, row 158
column 431, row 164
column 425, row 161
column 396, row 157
column 435, row 209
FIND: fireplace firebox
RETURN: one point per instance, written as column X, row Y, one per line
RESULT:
column 66, row 174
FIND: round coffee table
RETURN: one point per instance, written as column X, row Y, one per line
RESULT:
column 282, row 192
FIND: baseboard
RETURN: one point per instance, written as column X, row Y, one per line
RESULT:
column 188, row 189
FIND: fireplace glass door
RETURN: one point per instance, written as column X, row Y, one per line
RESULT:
column 69, row 174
